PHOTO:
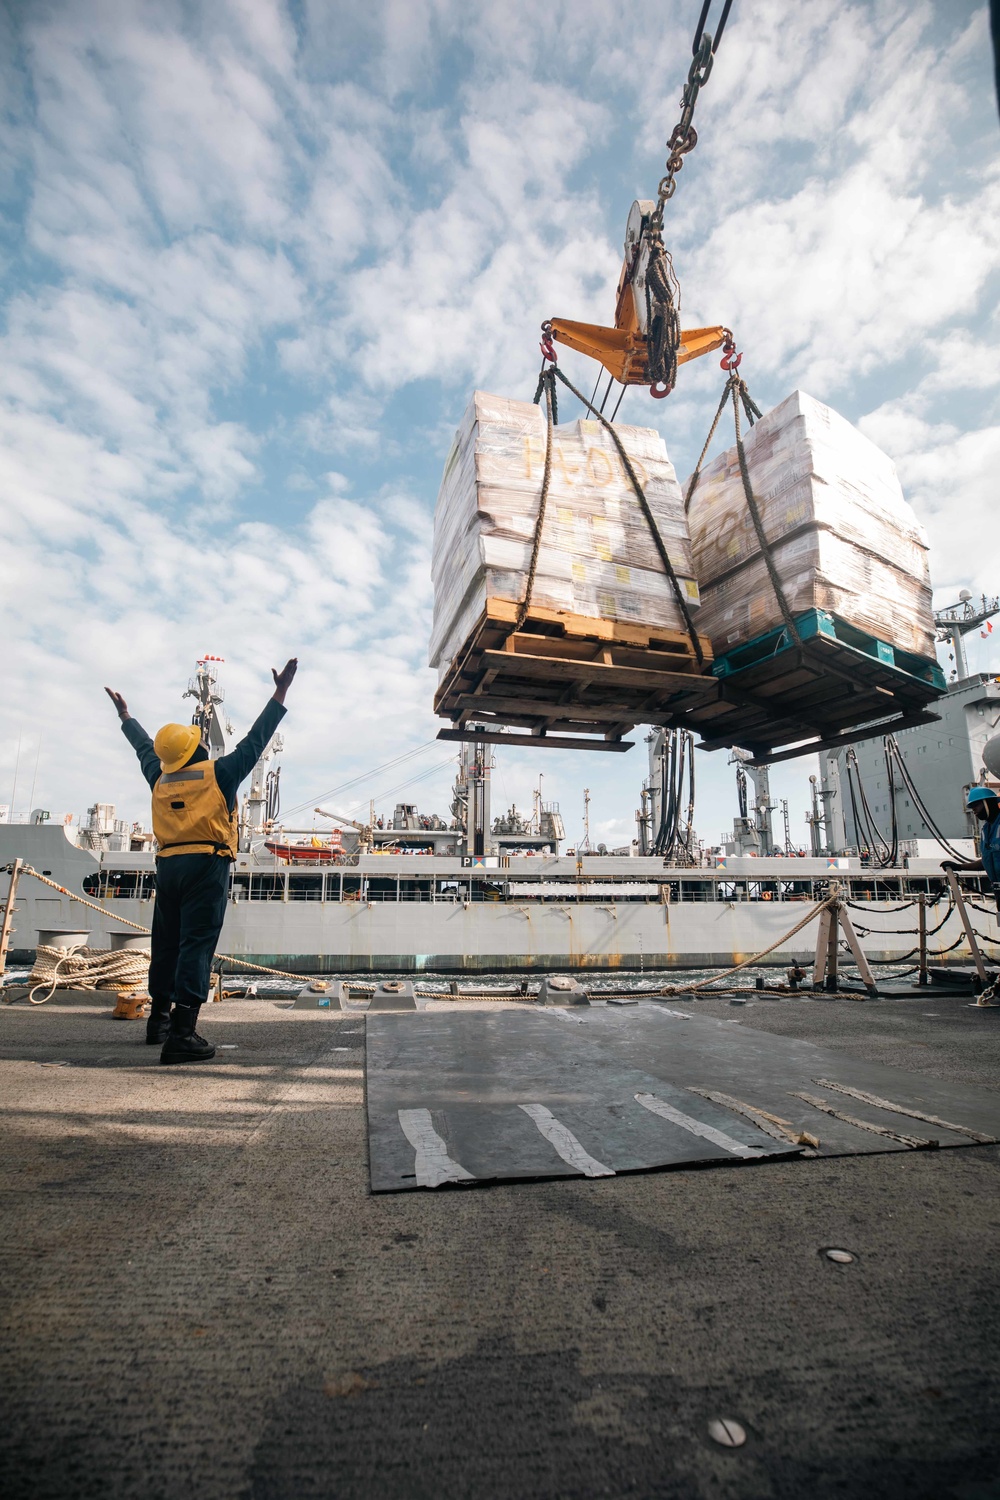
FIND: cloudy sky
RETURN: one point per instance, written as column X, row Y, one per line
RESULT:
column 257, row 254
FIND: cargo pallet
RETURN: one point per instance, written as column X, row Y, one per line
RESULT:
column 560, row 675
column 836, row 686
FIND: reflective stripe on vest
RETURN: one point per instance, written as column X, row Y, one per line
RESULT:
column 190, row 815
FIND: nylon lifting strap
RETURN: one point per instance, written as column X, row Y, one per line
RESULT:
column 548, row 378
column 737, row 389
column 548, row 385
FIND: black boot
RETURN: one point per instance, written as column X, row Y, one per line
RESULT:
column 158, row 1023
column 183, row 1044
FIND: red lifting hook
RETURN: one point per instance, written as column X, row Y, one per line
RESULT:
column 658, row 395
column 546, row 346
column 730, row 360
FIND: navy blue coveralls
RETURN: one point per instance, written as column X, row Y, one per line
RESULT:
column 192, row 889
column 989, row 853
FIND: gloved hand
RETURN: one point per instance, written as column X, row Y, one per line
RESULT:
column 120, row 705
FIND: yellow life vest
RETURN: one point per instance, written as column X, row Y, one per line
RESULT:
column 190, row 815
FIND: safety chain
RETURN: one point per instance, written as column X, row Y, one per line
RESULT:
column 988, row 996
column 663, row 293
column 684, row 137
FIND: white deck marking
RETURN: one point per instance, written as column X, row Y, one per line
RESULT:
column 565, row 1142
column 433, row 1165
column 696, row 1127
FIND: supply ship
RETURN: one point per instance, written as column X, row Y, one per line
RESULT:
column 477, row 893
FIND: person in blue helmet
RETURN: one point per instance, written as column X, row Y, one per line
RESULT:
column 984, row 803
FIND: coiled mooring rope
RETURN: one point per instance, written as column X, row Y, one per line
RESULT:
column 87, row 969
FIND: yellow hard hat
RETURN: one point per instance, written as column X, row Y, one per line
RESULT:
column 175, row 744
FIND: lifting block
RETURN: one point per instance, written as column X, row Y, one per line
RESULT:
column 560, row 989
column 394, row 994
column 320, row 994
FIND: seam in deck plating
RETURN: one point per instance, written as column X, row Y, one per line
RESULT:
column 915, row 1142
column 903, row 1109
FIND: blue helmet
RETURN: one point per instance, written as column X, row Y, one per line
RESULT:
column 981, row 794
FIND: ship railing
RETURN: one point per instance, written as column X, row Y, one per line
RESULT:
column 346, row 885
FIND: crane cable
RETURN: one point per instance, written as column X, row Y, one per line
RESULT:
column 365, row 776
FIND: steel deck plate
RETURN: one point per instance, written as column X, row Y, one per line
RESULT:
column 475, row 1097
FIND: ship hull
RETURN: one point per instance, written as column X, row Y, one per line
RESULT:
column 522, row 934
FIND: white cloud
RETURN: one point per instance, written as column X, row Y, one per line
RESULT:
column 950, row 478
column 254, row 237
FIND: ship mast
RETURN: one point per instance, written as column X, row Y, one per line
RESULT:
column 209, row 698
column 955, row 622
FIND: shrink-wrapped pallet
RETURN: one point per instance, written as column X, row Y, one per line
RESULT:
column 842, row 537
column 597, row 558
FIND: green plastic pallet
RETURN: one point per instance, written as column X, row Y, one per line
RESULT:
column 820, row 623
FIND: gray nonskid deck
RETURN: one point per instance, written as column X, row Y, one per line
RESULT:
column 478, row 1097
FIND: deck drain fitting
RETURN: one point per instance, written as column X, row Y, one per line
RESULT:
column 726, row 1432
column 840, row 1257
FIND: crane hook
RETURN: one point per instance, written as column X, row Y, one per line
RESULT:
column 546, row 346
column 730, row 359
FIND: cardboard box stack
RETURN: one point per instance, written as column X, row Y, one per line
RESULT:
column 597, row 559
column 842, row 537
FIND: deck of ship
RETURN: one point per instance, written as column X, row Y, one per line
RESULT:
column 202, row 1297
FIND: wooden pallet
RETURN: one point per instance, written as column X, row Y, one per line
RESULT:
column 570, row 673
column 500, row 616
column 833, row 688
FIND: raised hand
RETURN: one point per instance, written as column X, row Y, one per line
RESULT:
column 119, row 703
column 283, row 679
